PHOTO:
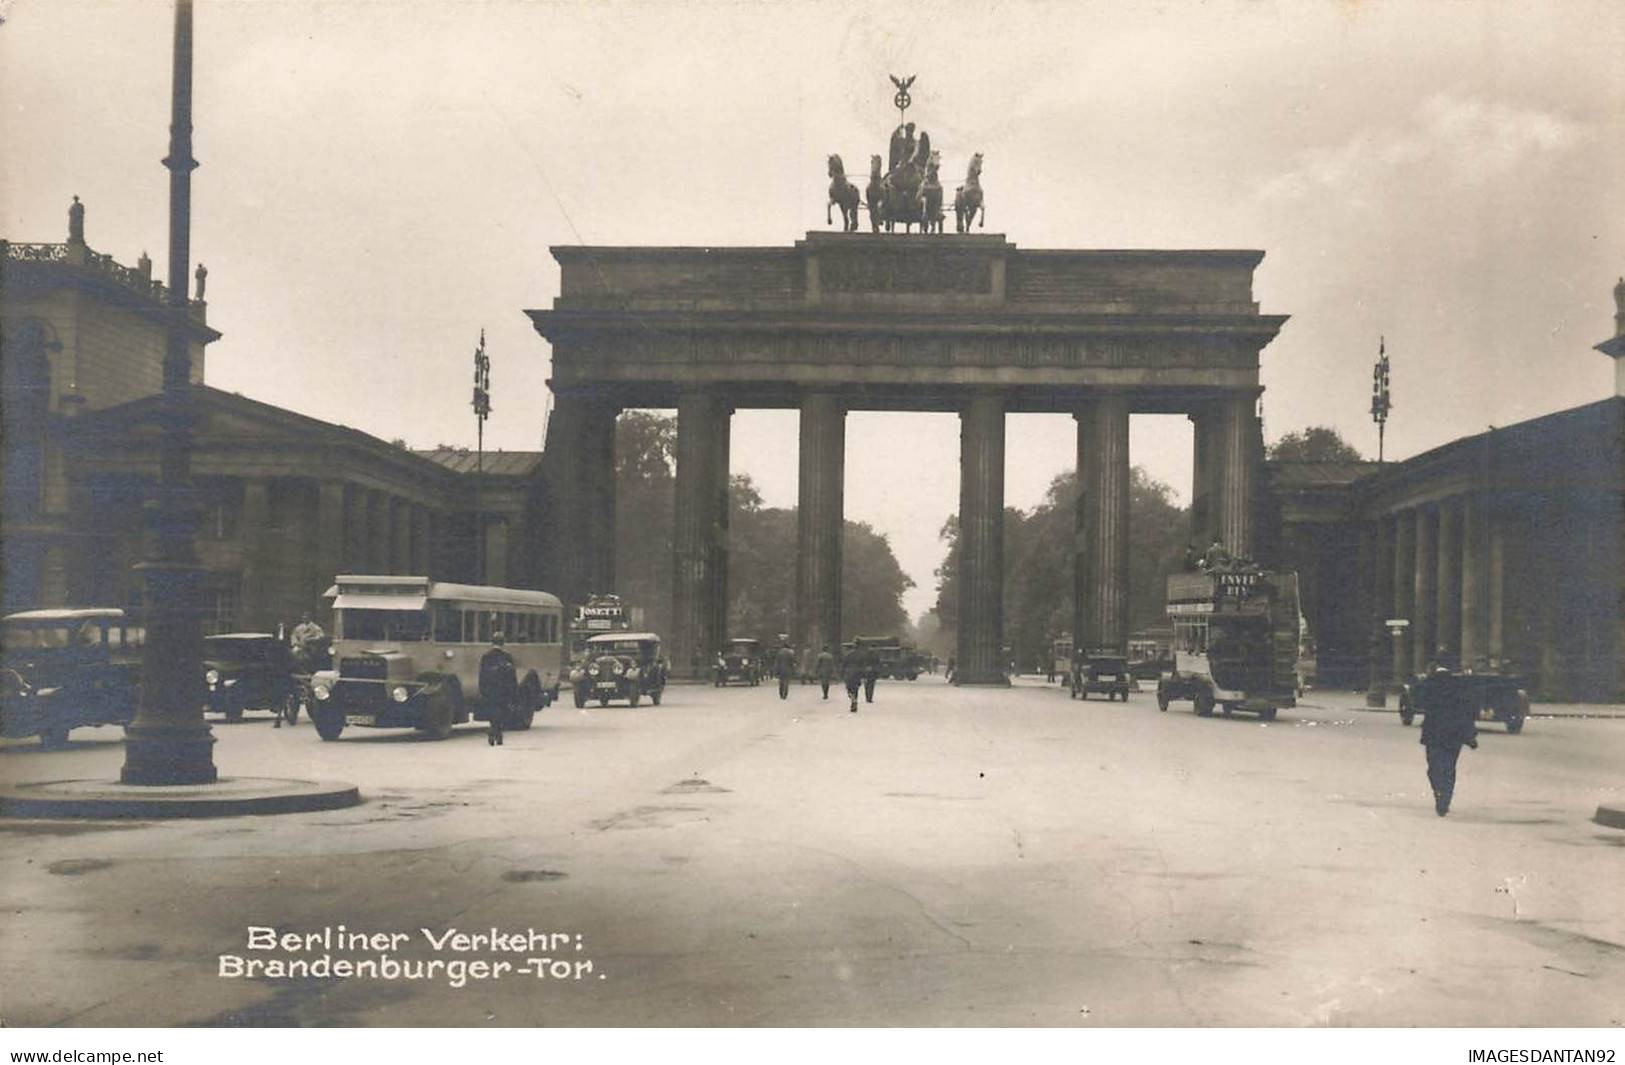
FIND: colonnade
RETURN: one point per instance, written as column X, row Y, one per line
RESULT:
column 583, row 477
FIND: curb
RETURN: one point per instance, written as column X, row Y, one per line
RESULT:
column 229, row 797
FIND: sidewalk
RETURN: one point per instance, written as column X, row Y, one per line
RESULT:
column 1332, row 699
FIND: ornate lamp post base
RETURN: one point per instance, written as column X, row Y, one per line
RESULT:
column 158, row 755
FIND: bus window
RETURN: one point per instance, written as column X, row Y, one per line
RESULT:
column 448, row 624
column 482, row 634
column 355, row 624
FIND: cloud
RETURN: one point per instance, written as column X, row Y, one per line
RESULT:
column 1448, row 136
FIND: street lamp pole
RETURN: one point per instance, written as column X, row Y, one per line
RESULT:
column 482, row 410
column 1376, row 693
column 168, row 742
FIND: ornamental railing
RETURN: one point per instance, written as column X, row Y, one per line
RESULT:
column 96, row 262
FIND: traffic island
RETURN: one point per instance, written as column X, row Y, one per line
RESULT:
column 1610, row 816
column 226, row 797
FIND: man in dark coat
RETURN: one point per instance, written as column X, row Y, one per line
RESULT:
column 784, row 667
column 1448, row 721
column 825, row 669
column 499, row 686
column 871, row 673
column 852, row 674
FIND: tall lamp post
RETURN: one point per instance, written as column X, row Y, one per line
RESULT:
column 482, row 411
column 168, row 742
column 1376, row 693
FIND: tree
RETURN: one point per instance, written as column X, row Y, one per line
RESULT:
column 1318, row 443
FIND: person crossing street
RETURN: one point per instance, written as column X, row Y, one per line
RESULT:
column 825, row 669
column 784, row 667
column 1449, row 721
column 852, row 674
column 499, row 686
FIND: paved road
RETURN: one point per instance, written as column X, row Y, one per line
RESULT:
column 944, row 857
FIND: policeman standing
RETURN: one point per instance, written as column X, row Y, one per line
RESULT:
column 825, row 668
column 784, row 666
column 499, row 686
column 1448, row 721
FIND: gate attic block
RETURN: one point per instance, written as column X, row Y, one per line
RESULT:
column 969, row 324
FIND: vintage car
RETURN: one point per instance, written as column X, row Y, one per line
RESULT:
column 620, row 665
column 249, row 671
column 1493, row 695
column 739, row 662
column 1100, row 671
column 64, row 669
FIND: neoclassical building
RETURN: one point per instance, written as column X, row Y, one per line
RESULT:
column 285, row 501
column 1505, row 548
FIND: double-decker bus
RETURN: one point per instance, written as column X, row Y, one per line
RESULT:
column 598, row 615
column 1236, row 632
column 407, row 650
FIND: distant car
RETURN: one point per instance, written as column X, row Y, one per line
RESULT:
column 739, row 663
column 1494, row 696
column 1100, row 671
column 620, row 665
column 249, row 671
column 66, row 669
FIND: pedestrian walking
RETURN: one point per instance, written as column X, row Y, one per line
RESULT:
column 948, row 674
column 1449, row 720
column 499, row 687
column 871, row 673
column 825, row 668
column 784, row 666
column 852, row 674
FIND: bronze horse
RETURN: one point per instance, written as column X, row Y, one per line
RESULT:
column 968, row 197
column 931, row 199
column 844, row 193
column 876, row 194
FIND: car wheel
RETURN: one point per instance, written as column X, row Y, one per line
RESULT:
column 329, row 723
column 1227, row 709
column 1520, row 711
column 1267, row 715
column 439, row 716
column 53, row 737
column 654, row 696
column 530, row 699
column 1162, row 699
column 603, row 700
column 288, row 709
column 234, row 714
column 520, row 720
column 1407, row 713
column 1204, row 704
column 633, row 699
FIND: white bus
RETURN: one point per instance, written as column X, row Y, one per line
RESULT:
column 407, row 650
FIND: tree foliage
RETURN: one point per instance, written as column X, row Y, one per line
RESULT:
column 761, row 546
column 1318, row 443
column 1038, row 564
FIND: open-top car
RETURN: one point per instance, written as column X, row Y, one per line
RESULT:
column 1493, row 696
column 740, row 663
column 1100, row 671
column 64, row 669
column 620, row 665
column 249, row 671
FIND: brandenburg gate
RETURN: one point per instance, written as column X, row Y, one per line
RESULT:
column 969, row 324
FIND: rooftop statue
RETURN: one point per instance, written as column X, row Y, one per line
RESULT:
column 844, row 193
column 968, row 202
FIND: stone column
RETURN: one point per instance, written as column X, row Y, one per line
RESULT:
column 1403, row 602
column 1475, row 565
column 1447, row 588
column 981, row 543
column 820, row 520
column 1424, row 594
column 1495, row 634
column 353, row 553
column 328, row 558
column 1235, row 475
column 377, row 545
column 420, row 541
column 580, row 463
column 1202, row 466
column 1100, row 618
column 1379, row 551
column 698, row 523
column 400, row 535
column 717, row 546
column 257, row 540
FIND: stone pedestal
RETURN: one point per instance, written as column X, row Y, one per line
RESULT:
column 981, row 543
column 820, row 520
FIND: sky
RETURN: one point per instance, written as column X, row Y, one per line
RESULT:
column 382, row 180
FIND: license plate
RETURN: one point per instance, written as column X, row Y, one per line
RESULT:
column 606, row 684
column 358, row 719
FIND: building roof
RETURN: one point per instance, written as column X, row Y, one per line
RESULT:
column 1294, row 473
column 493, row 464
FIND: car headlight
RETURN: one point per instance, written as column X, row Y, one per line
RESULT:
column 320, row 691
column 212, row 677
column 399, row 693
column 592, row 670
column 229, row 682
column 619, row 669
column 632, row 673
